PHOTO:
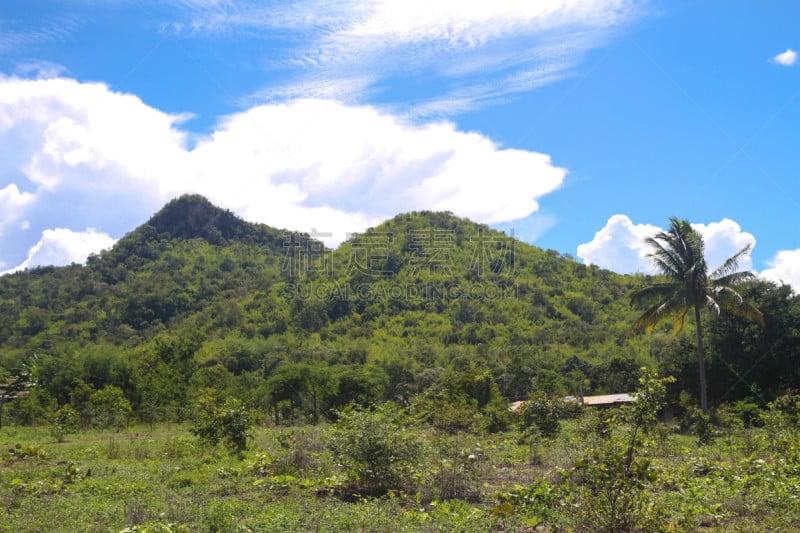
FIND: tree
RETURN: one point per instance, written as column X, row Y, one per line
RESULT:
column 679, row 255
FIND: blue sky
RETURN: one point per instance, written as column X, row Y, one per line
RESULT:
column 581, row 125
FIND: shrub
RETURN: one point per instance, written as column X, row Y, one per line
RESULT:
column 65, row 421
column 789, row 406
column 375, row 447
column 109, row 409
column 543, row 412
column 748, row 412
column 228, row 423
column 697, row 422
column 607, row 488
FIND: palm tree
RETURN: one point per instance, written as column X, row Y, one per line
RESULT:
column 678, row 255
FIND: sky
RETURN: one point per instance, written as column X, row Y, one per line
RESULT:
column 581, row 126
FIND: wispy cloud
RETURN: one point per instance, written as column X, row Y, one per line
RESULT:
column 15, row 37
column 786, row 59
column 455, row 55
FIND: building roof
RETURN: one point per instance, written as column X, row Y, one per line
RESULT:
column 608, row 399
column 602, row 399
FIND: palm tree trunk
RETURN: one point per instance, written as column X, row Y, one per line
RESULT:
column 701, row 360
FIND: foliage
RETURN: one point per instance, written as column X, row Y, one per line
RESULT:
column 228, row 422
column 65, row 422
column 108, row 408
column 608, row 487
column 679, row 255
column 17, row 384
column 542, row 413
column 197, row 298
column 157, row 479
column 458, row 470
column 376, row 447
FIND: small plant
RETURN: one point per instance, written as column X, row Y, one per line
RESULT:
column 65, row 421
column 698, row 422
column 18, row 451
column 301, row 447
column 457, row 469
column 747, row 412
column 157, row 527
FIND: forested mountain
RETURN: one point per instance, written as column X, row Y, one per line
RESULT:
column 196, row 298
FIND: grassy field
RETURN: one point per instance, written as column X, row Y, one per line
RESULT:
column 162, row 479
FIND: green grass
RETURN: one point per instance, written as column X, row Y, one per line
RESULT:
column 162, row 479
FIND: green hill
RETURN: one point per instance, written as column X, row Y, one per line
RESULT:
column 197, row 298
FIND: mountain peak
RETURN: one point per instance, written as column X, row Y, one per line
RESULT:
column 192, row 216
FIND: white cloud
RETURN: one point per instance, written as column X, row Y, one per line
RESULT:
column 62, row 246
column 787, row 58
column 82, row 136
column 785, row 268
column 330, row 166
column 12, row 204
column 722, row 240
column 302, row 164
column 449, row 46
column 620, row 245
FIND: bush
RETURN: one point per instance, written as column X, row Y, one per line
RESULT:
column 543, row 412
column 228, row 423
column 109, row 409
column 32, row 407
column 748, row 412
column 65, row 421
column 376, row 448
column 608, row 489
column 697, row 422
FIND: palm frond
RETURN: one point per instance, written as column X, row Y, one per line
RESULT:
column 651, row 294
column 664, row 259
column 654, row 314
column 731, row 264
column 679, row 319
column 732, row 302
column 734, row 278
column 712, row 303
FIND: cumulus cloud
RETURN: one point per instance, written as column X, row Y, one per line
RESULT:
column 786, row 59
column 301, row 164
column 620, row 245
column 723, row 239
column 12, row 204
column 60, row 133
column 785, row 268
column 333, row 166
column 62, row 246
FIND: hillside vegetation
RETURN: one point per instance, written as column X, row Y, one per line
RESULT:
column 207, row 374
column 426, row 302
